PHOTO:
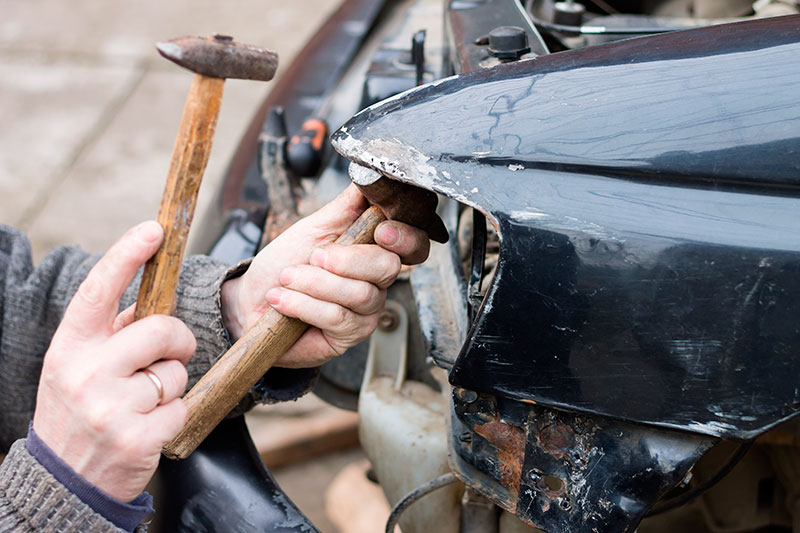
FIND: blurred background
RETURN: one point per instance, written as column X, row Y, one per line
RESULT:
column 88, row 117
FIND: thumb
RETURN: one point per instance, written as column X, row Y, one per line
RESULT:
column 94, row 307
column 340, row 212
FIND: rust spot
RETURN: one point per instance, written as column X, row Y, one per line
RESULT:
column 556, row 439
column 510, row 444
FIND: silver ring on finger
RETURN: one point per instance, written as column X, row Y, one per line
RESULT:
column 156, row 381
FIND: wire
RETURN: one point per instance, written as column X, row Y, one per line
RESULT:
column 701, row 488
column 416, row 494
column 609, row 9
column 600, row 30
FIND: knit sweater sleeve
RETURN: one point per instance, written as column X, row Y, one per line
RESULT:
column 31, row 499
column 33, row 300
column 32, row 303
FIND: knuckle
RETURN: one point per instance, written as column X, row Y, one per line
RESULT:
column 370, row 324
column 128, row 444
column 190, row 341
column 72, row 388
column 99, row 418
column 92, row 292
column 170, row 331
column 366, row 296
column 176, row 377
column 180, row 414
column 76, row 387
column 390, row 270
column 333, row 259
column 340, row 316
column 160, row 329
column 174, row 418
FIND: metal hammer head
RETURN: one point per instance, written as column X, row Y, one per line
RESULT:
column 220, row 57
column 400, row 201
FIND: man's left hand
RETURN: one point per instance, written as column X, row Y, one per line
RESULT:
column 339, row 290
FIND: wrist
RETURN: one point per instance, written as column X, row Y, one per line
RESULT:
column 229, row 299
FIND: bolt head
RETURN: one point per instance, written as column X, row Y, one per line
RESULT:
column 387, row 320
column 508, row 42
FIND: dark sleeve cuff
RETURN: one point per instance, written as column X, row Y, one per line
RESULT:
column 123, row 515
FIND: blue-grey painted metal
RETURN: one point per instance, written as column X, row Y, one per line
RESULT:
column 647, row 194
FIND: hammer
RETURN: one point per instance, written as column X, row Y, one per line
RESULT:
column 212, row 59
column 235, row 373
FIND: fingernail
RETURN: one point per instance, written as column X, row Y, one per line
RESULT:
column 286, row 276
column 389, row 234
column 318, row 257
column 149, row 231
column 274, row 296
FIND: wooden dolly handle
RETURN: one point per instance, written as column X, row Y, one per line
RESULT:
column 221, row 388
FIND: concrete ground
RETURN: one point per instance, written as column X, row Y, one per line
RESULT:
column 89, row 110
column 88, row 117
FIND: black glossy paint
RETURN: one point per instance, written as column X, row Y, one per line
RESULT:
column 224, row 487
column 646, row 194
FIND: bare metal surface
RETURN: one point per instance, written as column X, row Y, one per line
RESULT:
column 400, row 201
column 220, row 57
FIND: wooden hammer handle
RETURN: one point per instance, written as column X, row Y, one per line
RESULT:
column 221, row 388
column 189, row 159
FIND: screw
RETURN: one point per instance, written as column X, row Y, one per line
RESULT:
column 465, row 437
column 534, row 474
column 388, row 320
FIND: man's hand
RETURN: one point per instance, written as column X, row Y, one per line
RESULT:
column 337, row 289
column 95, row 408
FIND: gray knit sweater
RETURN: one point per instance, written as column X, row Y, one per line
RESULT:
column 32, row 302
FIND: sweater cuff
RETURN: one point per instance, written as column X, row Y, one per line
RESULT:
column 200, row 306
column 123, row 515
column 36, row 501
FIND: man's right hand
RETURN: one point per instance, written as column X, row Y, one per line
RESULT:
column 95, row 408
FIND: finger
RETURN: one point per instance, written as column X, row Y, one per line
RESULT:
column 340, row 212
column 146, row 341
column 95, row 304
column 359, row 296
column 336, row 321
column 366, row 262
column 125, row 318
column 143, row 390
column 311, row 350
column 295, row 244
column 410, row 243
column 165, row 421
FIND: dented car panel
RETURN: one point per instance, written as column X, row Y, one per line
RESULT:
column 649, row 257
column 563, row 471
